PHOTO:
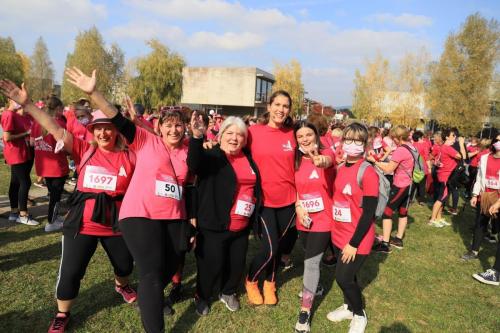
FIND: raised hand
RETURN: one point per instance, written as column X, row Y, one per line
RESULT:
column 80, row 80
column 130, row 107
column 197, row 125
column 10, row 90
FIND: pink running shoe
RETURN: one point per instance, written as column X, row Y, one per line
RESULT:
column 129, row 295
column 59, row 323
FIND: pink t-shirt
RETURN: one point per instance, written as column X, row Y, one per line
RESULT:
column 156, row 189
column 347, row 210
column 244, row 198
column 16, row 151
column 474, row 160
column 273, row 151
column 315, row 189
column 447, row 162
column 404, row 171
column 48, row 163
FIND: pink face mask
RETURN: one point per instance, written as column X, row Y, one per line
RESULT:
column 353, row 149
column 497, row 146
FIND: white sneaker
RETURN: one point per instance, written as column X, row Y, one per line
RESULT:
column 27, row 220
column 54, row 226
column 339, row 314
column 358, row 324
column 13, row 217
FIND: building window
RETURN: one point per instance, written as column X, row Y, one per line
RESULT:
column 263, row 90
column 258, row 90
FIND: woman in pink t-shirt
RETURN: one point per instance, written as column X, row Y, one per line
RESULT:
column 16, row 126
column 401, row 163
column 314, row 209
column 353, row 228
column 153, row 213
column 105, row 173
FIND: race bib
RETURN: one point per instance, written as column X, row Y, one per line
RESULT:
column 342, row 213
column 492, row 183
column 244, row 208
column 312, row 203
column 168, row 189
column 99, row 178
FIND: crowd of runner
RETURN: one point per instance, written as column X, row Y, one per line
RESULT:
column 151, row 185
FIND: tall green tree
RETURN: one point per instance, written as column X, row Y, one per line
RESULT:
column 158, row 79
column 460, row 82
column 41, row 72
column 91, row 53
column 11, row 64
column 289, row 78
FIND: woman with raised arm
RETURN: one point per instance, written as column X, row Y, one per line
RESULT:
column 153, row 214
column 104, row 174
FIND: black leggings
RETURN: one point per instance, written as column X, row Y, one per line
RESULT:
column 76, row 254
column 20, row 183
column 480, row 228
column 275, row 222
column 55, row 186
column 220, row 256
column 419, row 189
column 154, row 246
column 345, row 274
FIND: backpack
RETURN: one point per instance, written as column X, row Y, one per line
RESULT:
column 384, row 187
column 418, row 173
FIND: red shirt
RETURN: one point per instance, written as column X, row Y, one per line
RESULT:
column 273, row 150
column 315, row 188
column 16, row 151
column 474, row 162
column 492, row 174
column 108, row 172
column 447, row 162
column 347, row 198
column 244, row 200
column 424, row 151
column 48, row 163
column 404, row 170
column 78, row 130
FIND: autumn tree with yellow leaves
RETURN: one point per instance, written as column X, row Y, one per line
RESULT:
column 289, row 78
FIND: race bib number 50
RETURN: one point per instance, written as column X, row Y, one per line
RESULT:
column 99, row 178
column 168, row 189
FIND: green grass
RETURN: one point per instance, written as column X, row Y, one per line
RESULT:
column 423, row 288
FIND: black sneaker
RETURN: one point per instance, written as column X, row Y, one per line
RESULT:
column 382, row 247
column 329, row 261
column 471, row 255
column 491, row 276
column 202, row 308
column 396, row 242
column 286, row 264
column 175, row 293
column 303, row 323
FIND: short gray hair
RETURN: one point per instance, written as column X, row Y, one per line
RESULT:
column 230, row 121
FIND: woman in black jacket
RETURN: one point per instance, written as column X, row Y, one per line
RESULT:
column 229, row 194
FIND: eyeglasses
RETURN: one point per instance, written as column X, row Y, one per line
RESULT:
column 350, row 141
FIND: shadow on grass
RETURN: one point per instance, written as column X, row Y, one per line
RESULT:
column 9, row 235
column 15, row 260
column 186, row 321
column 395, row 328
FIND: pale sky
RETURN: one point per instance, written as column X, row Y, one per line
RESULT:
column 329, row 38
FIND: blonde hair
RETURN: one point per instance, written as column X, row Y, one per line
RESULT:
column 337, row 132
column 400, row 132
column 485, row 143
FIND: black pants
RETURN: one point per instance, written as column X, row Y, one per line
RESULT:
column 55, row 186
column 480, row 228
column 20, row 183
column 154, row 246
column 275, row 222
column 472, row 179
column 76, row 254
column 220, row 256
column 345, row 274
column 419, row 189
column 453, row 186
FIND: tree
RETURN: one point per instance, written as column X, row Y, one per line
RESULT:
column 41, row 72
column 460, row 82
column 159, row 76
column 11, row 65
column 370, row 90
column 289, row 78
column 91, row 53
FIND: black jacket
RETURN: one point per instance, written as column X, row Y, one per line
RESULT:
column 217, row 185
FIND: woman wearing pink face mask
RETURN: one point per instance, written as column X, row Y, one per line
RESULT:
column 353, row 230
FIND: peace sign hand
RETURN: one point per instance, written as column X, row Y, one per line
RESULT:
column 80, row 80
column 10, row 90
column 130, row 108
column 197, row 125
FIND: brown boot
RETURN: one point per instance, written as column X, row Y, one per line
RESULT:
column 253, row 293
column 270, row 293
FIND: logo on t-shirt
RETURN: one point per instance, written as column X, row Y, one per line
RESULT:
column 347, row 190
column 122, row 172
column 314, row 175
column 287, row 146
column 251, row 170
